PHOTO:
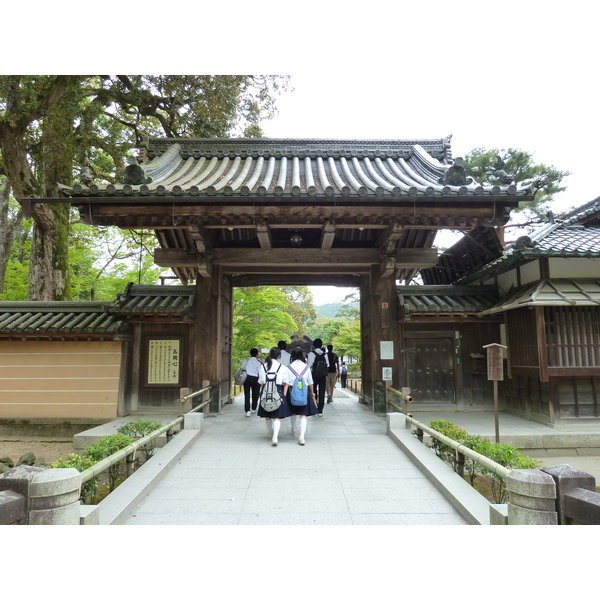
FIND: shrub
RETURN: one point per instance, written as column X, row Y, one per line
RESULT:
column 81, row 463
column 451, row 430
column 508, row 457
column 103, row 448
column 504, row 455
column 140, row 428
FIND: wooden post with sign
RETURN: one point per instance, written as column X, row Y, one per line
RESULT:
column 495, row 374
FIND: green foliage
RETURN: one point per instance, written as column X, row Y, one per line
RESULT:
column 507, row 456
column 105, row 447
column 347, row 342
column 450, row 430
column 81, row 463
column 521, row 167
column 140, row 428
column 260, row 319
column 61, row 129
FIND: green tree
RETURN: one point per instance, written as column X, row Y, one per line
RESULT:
column 347, row 342
column 58, row 129
column 300, row 307
column 518, row 165
column 260, row 319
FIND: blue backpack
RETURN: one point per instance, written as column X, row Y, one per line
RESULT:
column 299, row 392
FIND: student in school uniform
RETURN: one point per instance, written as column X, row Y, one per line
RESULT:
column 273, row 418
column 296, row 367
column 251, row 387
column 285, row 355
column 318, row 382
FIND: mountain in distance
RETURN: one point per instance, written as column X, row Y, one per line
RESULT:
column 331, row 309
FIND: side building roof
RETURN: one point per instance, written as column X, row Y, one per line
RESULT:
column 94, row 320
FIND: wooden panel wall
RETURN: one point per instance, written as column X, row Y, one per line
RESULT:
column 573, row 335
column 522, row 338
column 66, row 380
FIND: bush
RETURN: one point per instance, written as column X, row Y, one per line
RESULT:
column 140, row 428
column 507, row 456
column 81, row 463
column 451, row 430
column 103, row 448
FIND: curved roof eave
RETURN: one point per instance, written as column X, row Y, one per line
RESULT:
column 246, row 169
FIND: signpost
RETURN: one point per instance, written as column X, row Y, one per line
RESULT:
column 495, row 374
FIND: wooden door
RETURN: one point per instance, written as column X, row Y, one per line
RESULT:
column 430, row 370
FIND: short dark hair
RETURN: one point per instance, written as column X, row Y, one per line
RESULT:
column 297, row 354
column 317, row 343
column 254, row 352
column 282, row 345
column 329, row 347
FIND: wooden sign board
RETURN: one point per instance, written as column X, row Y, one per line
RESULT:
column 494, row 362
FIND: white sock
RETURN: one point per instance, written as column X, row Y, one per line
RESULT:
column 276, row 426
column 269, row 423
column 293, row 422
column 302, row 428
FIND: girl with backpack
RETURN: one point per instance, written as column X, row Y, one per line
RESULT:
column 272, row 378
column 298, row 370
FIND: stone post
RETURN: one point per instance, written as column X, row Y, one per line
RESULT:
column 568, row 479
column 51, row 495
column 531, row 498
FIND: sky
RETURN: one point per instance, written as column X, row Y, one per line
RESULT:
column 519, row 74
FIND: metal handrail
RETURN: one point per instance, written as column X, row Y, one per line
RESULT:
column 480, row 459
column 107, row 462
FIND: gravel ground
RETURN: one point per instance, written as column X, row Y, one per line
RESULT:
column 48, row 449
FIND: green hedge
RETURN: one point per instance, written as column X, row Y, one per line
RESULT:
column 507, row 456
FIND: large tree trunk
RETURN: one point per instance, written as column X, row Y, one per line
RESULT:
column 53, row 110
column 49, row 266
column 9, row 228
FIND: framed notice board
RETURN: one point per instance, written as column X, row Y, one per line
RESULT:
column 163, row 361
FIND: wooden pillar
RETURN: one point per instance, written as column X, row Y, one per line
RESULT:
column 381, row 335
column 208, row 340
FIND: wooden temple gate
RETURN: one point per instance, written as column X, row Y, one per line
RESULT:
column 247, row 212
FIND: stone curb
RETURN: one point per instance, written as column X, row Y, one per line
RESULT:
column 118, row 506
column 469, row 503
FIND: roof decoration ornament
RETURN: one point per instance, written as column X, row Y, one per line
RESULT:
column 499, row 173
column 135, row 174
column 456, row 174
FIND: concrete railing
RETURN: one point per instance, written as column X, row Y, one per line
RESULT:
column 41, row 496
column 559, row 495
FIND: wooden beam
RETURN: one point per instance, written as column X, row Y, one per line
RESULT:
column 308, row 257
column 388, row 240
column 327, row 235
column 263, row 233
column 202, row 239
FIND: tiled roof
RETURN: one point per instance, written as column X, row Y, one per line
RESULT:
column 242, row 168
column 43, row 318
column 576, row 234
column 94, row 318
column 446, row 299
column 155, row 300
column 476, row 248
column 557, row 292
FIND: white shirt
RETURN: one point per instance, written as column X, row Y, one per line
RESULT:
column 279, row 380
column 252, row 366
column 299, row 366
column 284, row 359
column 311, row 356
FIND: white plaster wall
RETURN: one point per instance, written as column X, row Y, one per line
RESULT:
column 574, row 268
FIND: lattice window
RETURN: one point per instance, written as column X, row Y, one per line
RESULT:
column 573, row 336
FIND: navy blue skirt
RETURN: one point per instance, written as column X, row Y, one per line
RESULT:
column 309, row 409
column 282, row 412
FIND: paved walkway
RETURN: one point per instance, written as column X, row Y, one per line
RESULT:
column 348, row 473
